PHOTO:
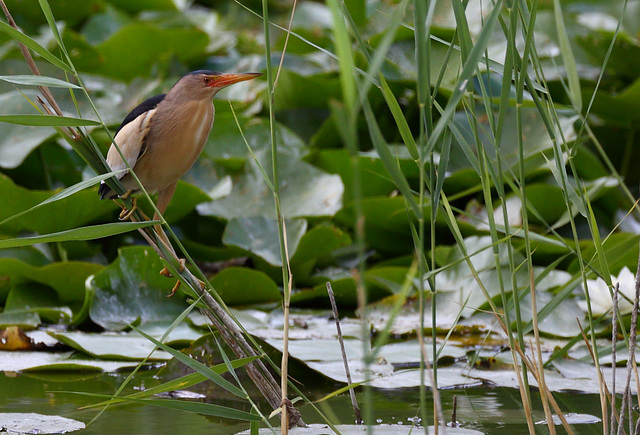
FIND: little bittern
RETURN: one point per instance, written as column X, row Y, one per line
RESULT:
column 162, row 138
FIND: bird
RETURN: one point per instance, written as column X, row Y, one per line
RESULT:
column 163, row 137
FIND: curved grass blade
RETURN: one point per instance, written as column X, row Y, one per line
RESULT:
column 184, row 405
column 47, row 120
column 33, row 80
column 33, row 45
column 82, row 233
column 176, row 384
column 65, row 193
column 567, row 56
column 387, row 159
column 470, row 66
column 195, row 365
column 398, row 116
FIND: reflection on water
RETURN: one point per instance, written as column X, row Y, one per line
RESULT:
column 490, row 410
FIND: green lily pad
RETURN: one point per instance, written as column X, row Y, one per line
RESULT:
column 304, row 191
column 56, row 362
column 387, row 224
column 259, row 235
column 70, row 212
column 25, row 320
column 17, row 141
column 374, row 180
column 344, row 290
column 242, row 286
column 184, row 201
column 315, row 247
column 22, row 422
column 39, row 299
column 112, row 346
column 388, row 429
column 133, row 50
column 66, row 278
column 131, row 289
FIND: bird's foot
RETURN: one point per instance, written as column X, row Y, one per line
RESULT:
column 126, row 214
column 174, row 289
column 165, row 271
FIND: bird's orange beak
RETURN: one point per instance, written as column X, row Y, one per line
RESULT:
column 222, row 80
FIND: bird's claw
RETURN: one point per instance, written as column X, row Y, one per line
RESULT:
column 174, row 289
column 165, row 271
column 125, row 213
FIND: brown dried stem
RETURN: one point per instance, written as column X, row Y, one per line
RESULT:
column 336, row 317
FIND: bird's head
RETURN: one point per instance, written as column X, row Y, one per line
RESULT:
column 205, row 84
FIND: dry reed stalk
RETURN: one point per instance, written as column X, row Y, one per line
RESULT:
column 336, row 317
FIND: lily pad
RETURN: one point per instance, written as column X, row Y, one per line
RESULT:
column 242, row 286
column 314, row 249
column 304, row 191
column 388, row 429
column 112, row 346
column 67, row 213
column 24, row 320
column 66, row 278
column 135, row 48
column 17, row 141
column 259, row 235
column 39, row 299
column 56, row 362
column 131, row 289
column 374, row 180
column 18, row 422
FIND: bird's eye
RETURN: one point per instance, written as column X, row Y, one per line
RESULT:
column 207, row 80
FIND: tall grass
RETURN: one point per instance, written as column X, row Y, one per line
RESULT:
column 429, row 143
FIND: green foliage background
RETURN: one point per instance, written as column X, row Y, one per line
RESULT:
column 576, row 177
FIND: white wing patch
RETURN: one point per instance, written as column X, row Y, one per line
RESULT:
column 130, row 139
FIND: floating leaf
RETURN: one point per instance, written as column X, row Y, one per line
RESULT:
column 66, row 278
column 259, row 235
column 242, row 286
column 111, row 346
column 131, row 288
column 36, row 298
column 38, row 423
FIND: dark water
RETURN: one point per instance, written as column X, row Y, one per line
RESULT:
column 492, row 411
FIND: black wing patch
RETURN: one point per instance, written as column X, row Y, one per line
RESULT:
column 145, row 106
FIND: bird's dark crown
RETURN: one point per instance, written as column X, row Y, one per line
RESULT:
column 203, row 72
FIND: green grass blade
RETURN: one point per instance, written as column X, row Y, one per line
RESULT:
column 470, row 66
column 567, row 56
column 82, row 233
column 30, row 80
column 33, row 45
column 64, row 194
column 185, row 405
column 176, row 384
column 47, row 120
column 387, row 159
column 195, row 365
column 398, row 116
column 345, row 56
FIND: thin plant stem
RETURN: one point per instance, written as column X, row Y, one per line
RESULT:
column 285, row 421
column 614, row 341
column 354, row 403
